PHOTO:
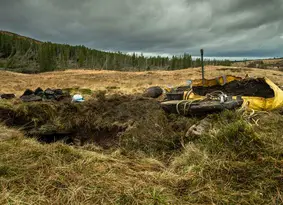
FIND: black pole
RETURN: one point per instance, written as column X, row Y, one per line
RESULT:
column 202, row 66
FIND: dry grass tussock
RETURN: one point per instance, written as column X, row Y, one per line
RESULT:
column 32, row 173
column 125, row 150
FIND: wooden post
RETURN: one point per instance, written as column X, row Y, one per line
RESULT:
column 202, row 66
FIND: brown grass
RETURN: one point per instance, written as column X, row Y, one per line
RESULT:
column 237, row 161
column 265, row 61
column 58, row 174
column 233, row 163
column 125, row 82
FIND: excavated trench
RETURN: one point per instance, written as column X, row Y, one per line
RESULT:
column 112, row 121
column 75, row 131
column 131, row 122
column 105, row 137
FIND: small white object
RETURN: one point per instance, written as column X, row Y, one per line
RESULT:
column 78, row 98
column 189, row 82
column 223, row 98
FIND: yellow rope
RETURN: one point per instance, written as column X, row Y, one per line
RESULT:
column 187, row 103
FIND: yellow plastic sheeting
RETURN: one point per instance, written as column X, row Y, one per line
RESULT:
column 222, row 80
column 259, row 103
column 189, row 95
column 256, row 103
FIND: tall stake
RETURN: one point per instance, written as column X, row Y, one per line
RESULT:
column 202, row 66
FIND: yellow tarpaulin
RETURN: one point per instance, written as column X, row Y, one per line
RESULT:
column 259, row 103
column 222, row 80
column 256, row 103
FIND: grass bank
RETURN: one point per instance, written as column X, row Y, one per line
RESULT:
column 148, row 157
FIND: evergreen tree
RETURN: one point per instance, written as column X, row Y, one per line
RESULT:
column 20, row 51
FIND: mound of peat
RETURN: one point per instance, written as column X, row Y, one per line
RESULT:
column 245, row 87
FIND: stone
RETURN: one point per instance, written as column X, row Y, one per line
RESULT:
column 28, row 92
column 30, row 98
column 7, row 96
column 49, row 94
column 153, row 92
column 58, row 92
column 38, row 91
column 48, row 91
column 199, row 129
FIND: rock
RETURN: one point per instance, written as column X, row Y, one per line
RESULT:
column 153, row 92
column 28, row 92
column 49, row 94
column 30, row 98
column 58, row 92
column 7, row 96
column 199, row 129
column 39, row 92
column 48, row 91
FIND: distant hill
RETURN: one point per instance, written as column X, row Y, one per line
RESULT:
column 276, row 63
column 24, row 54
column 19, row 36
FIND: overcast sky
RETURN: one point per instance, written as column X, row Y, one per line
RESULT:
column 229, row 28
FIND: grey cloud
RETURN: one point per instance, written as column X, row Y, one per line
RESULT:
column 221, row 27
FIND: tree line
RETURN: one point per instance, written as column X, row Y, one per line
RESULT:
column 24, row 53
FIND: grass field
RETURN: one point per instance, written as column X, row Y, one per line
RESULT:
column 272, row 63
column 125, row 82
column 143, row 155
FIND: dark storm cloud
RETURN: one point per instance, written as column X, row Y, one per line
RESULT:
column 221, row 27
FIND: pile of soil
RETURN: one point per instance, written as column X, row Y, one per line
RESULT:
column 246, row 87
